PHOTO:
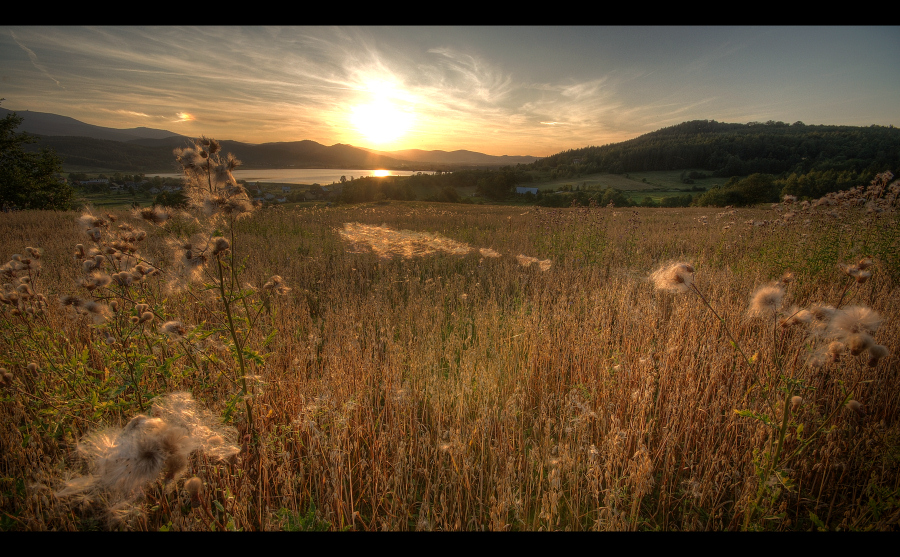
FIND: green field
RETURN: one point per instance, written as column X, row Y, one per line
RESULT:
column 656, row 181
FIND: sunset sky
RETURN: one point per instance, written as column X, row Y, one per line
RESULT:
column 497, row 90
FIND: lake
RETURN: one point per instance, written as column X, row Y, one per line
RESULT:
column 322, row 176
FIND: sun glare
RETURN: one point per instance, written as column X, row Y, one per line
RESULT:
column 383, row 115
column 381, row 121
column 381, row 173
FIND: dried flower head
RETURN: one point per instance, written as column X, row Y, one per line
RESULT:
column 220, row 245
column 855, row 319
column 123, row 460
column 174, row 329
column 822, row 312
column 835, row 349
column 859, row 342
column 856, row 407
column 676, row 277
column 766, row 301
column 276, row 285
column 153, row 215
column 876, row 353
column 796, row 401
column 193, row 487
column 797, row 316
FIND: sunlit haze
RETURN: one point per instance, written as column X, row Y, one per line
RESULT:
column 496, row 90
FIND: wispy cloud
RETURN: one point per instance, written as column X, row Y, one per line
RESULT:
column 461, row 90
column 34, row 60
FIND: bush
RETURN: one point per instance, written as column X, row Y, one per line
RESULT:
column 29, row 180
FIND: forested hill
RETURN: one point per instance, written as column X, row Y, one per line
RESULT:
column 739, row 150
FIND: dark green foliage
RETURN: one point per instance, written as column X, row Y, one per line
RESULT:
column 602, row 198
column 29, row 180
column 756, row 188
column 171, row 199
column 738, row 150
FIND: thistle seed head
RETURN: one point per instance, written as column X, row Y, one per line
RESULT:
column 676, row 277
column 876, row 353
column 766, row 301
column 856, row 407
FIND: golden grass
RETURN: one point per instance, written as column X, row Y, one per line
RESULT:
column 439, row 388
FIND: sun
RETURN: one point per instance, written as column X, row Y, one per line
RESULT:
column 381, row 121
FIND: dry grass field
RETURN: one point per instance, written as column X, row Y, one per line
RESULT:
column 414, row 366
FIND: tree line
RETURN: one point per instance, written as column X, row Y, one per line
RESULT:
column 728, row 150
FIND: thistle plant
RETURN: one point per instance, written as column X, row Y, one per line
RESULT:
column 836, row 331
column 211, row 255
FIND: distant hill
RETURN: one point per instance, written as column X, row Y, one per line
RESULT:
column 460, row 157
column 728, row 150
column 85, row 147
column 45, row 123
column 155, row 155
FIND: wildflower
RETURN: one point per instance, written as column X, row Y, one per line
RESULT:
column 766, row 299
column 674, row 278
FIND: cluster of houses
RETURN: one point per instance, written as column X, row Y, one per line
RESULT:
column 127, row 185
column 309, row 195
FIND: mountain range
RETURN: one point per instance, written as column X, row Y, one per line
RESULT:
column 86, row 147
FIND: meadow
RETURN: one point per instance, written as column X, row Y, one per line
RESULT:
column 414, row 366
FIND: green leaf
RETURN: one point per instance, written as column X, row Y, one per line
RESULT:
column 817, row 521
column 218, row 505
column 269, row 337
